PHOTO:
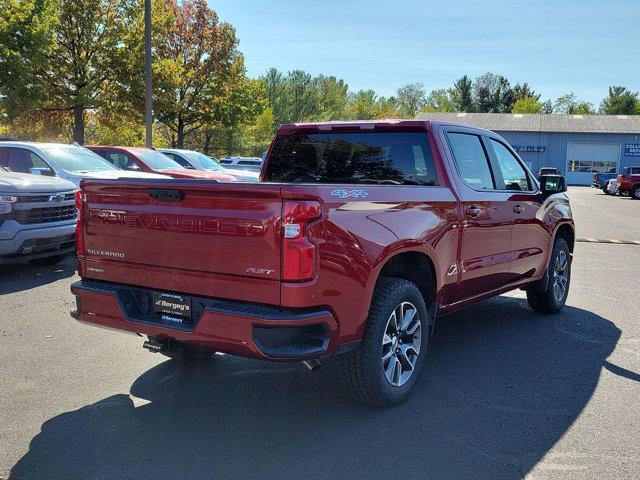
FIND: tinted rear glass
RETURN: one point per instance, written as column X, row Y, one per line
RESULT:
column 392, row 158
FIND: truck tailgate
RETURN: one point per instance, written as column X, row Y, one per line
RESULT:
column 191, row 236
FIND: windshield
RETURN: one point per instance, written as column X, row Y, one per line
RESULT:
column 77, row 159
column 202, row 162
column 158, row 161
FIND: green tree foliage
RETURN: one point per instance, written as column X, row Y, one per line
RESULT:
column 440, row 100
column 333, row 97
column 527, row 105
column 194, row 65
column 367, row 105
column 410, row 99
column 570, row 104
column 522, row 91
column 620, row 101
column 75, row 69
column 462, row 95
column 26, row 34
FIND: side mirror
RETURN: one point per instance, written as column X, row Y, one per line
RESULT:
column 132, row 167
column 550, row 184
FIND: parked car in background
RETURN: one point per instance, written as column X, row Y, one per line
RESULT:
column 37, row 218
column 610, row 187
column 362, row 234
column 548, row 171
column 150, row 160
column 191, row 159
column 599, row 179
column 629, row 182
column 70, row 162
column 253, row 164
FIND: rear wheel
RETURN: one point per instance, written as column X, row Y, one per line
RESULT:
column 385, row 367
column 553, row 298
column 635, row 193
column 53, row 260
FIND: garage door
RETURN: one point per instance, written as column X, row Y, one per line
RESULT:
column 585, row 159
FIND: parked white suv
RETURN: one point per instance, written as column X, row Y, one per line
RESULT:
column 200, row 161
column 70, row 162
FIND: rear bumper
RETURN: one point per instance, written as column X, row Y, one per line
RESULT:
column 230, row 327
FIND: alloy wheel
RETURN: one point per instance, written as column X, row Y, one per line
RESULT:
column 560, row 276
column 401, row 344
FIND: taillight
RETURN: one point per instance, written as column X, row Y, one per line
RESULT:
column 298, row 253
column 79, row 237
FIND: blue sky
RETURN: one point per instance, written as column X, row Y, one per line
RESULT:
column 556, row 46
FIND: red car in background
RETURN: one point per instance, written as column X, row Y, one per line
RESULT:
column 149, row 160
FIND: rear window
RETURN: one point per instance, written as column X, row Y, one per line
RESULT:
column 383, row 158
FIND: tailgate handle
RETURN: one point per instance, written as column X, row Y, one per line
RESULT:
column 166, row 195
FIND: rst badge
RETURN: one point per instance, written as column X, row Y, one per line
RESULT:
column 342, row 193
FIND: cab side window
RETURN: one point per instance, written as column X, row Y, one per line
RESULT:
column 120, row 160
column 22, row 160
column 471, row 160
column 513, row 173
column 179, row 159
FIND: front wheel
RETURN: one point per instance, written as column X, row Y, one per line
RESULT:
column 553, row 298
column 635, row 193
column 384, row 368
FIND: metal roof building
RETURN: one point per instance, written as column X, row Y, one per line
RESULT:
column 578, row 145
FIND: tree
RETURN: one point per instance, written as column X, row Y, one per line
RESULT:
column 440, row 100
column 302, row 97
column 570, row 104
column 194, row 65
column 274, row 92
column 524, row 91
column 332, row 97
column 410, row 99
column 366, row 105
column 79, row 63
column 527, row 105
column 493, row 94
column 462, row 94
column 26, row 33
column 620, row 101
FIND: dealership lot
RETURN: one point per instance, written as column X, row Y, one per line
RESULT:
column 506, row 393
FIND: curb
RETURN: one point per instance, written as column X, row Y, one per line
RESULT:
column 598, row 240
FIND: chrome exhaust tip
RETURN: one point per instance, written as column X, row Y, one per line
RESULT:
column 312, row 364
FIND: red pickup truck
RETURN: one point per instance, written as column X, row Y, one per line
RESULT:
column 629, row 182
column 359, row 235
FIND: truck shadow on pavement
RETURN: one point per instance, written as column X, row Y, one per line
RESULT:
column 501, row 386
column 20, row 277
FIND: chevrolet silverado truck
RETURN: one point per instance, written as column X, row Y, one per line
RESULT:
column 37, row 218
column 359, row 235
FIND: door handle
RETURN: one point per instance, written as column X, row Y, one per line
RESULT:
column 473, row 211
column 518, row 209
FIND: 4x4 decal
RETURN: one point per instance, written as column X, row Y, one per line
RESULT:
column 340, row 193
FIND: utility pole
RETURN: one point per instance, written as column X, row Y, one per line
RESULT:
column 148, row 97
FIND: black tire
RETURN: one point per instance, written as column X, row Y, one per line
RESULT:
column 546, row 301
column 46, row 261
column 362, row 369
column 635, row 192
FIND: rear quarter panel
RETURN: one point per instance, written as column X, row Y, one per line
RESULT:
column 357, row 235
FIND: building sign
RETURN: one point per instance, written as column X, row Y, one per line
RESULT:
column 529, row 148
column 632, row 150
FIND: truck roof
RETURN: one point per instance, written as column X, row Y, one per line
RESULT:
column 366, row 125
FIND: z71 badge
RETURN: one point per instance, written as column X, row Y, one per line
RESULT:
column 341, row 193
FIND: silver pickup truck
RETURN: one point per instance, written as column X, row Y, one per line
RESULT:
column 37, row 218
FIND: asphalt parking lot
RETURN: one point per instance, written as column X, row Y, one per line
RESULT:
column 506, row 393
